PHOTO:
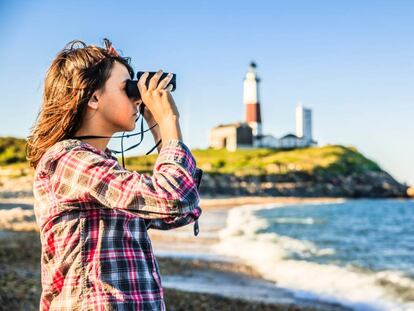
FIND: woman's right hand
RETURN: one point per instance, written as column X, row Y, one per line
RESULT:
column 157, row 97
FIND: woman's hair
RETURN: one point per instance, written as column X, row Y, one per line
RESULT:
column 73, row 76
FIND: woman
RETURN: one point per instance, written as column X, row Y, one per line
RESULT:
column 92, row 213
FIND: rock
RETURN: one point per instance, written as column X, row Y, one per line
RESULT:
column 301, row 184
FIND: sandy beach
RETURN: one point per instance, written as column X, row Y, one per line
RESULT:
column 194, row 277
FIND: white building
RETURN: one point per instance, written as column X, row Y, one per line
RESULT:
column 304, row 122
column 291, row 141
column 267, row 141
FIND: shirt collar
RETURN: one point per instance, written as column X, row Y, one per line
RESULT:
column 107, row 153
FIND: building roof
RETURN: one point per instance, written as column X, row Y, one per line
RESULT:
column 235, row 124
column 290, row 135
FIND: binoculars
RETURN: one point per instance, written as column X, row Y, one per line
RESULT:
column 132, row 87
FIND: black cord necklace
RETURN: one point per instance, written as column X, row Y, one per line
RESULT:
column 127, row 136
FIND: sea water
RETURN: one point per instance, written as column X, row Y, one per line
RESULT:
column 356, row 252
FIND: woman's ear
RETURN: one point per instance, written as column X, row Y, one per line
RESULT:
column 93, row 101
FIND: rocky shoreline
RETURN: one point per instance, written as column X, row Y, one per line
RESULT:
column 300, row 184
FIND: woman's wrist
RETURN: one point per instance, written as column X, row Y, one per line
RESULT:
column 170, row 128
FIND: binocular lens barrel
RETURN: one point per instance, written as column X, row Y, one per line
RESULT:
column 132, row 87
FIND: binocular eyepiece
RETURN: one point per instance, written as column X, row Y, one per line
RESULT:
column 132, row 87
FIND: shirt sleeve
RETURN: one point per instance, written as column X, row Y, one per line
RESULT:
column 178, row 221
column 171, row 191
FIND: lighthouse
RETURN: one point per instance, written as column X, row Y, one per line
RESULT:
column 251, row 101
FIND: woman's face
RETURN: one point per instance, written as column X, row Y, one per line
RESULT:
column 117, row 109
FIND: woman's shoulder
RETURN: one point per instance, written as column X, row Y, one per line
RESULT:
column 71, row 143
column 72, row 148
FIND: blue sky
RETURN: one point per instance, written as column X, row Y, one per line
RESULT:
column 352, row 62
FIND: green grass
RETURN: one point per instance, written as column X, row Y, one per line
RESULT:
column 12, row 150
column 334, row 159
column 329, row 159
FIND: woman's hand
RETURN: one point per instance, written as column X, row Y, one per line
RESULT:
column 158, row 100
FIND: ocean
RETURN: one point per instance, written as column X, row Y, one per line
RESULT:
column 356, row 252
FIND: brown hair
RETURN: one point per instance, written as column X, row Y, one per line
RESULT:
column 70, row 81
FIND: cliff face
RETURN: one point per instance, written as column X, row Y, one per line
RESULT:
column 299, row 184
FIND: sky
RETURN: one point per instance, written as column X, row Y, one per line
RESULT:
column 351, row 62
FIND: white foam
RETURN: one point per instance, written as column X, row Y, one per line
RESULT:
column 295, row 220
column 269, row 254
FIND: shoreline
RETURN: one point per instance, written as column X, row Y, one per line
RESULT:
column 201, row 271
column 233, row 286
column 193, row 274
column 181, row 243
column 179, row 253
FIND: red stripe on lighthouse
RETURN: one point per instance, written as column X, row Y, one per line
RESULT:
column 253, row 113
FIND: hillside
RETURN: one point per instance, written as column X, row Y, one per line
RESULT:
column 333, row 159
column 12, row 150
column 331, row 170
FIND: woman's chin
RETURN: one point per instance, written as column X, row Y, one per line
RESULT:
column 129, row 128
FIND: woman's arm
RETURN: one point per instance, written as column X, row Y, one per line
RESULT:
column 171, row 191
column 179, row 221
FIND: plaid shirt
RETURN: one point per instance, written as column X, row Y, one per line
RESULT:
column 93, row 217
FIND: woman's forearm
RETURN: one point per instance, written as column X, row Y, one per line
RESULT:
column 170, row 129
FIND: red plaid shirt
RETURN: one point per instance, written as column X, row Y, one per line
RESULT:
column 93, row 217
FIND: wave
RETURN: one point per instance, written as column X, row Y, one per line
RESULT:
column 245, row 237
